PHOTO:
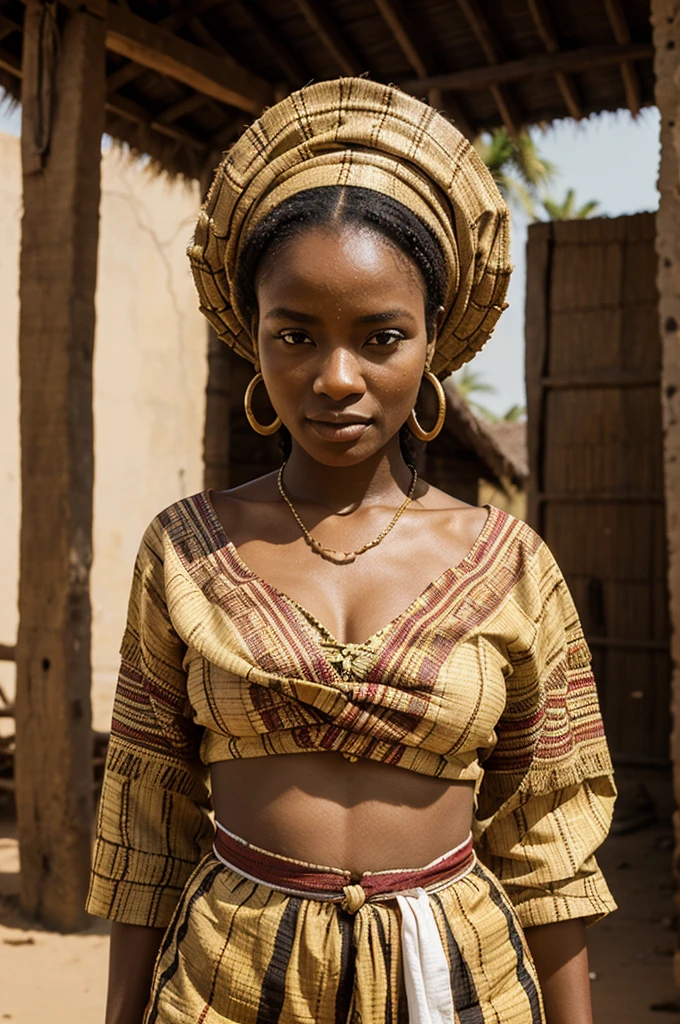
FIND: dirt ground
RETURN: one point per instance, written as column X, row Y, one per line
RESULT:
column 62, row 979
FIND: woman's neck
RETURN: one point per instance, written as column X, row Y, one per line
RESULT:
column 382, row 479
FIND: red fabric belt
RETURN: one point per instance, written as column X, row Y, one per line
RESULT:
column 287, row 873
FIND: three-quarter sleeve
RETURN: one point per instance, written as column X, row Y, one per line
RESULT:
column 154, row 821
column 546, row 800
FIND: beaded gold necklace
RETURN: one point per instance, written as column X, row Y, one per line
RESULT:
column 345, row 557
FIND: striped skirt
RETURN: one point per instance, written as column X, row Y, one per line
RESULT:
column 262, row 939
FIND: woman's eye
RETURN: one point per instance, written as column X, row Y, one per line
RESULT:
column 295, row 338
column 385, row 338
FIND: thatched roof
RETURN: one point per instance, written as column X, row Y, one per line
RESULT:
column 203, row 68
column 511, row 438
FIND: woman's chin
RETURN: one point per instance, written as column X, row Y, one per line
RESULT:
column 339, row 448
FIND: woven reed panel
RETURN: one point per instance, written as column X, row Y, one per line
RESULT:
column 593, row 378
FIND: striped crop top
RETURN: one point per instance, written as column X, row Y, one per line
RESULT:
column 485, row 677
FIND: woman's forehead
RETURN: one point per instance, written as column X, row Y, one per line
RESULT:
column 337, row 259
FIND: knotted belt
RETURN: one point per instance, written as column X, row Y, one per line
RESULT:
column 426, row 971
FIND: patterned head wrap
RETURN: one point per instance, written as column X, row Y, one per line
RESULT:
column 355, row 132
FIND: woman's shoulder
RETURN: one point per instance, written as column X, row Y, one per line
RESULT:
column 485, row 522
column 201, row 516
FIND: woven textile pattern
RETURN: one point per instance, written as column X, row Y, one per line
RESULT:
column 484, row 677
column 359, row 133
column 289, row 959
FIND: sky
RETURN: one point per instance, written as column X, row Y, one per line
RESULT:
column 612, row 158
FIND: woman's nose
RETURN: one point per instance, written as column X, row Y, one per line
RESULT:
column 340, row 375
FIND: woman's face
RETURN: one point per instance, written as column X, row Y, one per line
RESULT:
column 342, row 340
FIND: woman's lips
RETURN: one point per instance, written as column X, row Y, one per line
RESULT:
column 339, row 431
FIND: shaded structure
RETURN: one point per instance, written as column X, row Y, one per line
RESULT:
column 184, row 77
column 178, row 79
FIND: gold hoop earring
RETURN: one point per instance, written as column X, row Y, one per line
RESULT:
column 412, row 422
column 260, row 428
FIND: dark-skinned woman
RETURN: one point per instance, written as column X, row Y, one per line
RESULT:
column 357, row 770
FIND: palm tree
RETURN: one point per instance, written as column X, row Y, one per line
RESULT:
column 469, row 383
column 516, row 166
column 567, row 209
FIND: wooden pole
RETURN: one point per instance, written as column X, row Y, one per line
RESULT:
column 217, row 428
column 217, row 422
column 537, row 336
column 666, row 27
column 567, row 62
column 63, row 94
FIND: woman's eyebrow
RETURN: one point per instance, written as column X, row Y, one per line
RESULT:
column 388, row 314
column 282, row 313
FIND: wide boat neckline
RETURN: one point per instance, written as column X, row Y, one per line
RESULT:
column 207, row 510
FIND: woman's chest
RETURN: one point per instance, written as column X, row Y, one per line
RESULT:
column 354, row 595
column 427, row 687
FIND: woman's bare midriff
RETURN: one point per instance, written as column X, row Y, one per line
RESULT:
column 361, row 815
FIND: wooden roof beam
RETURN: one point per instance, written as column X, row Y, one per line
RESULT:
column 482, row 30
column 182, row 108
column 8, row 62
column 546, row 31
column 396, row 20
column 183, row 15
column 8, row 26
column 123, row 75
column 135, row 112
column 293, row 71
column 631, row 79
column 318, row 19
column 178, row 19
column 492, row 52
column 507, row 108
column 568, row 61
column 227, row 133
column 206, row 38
column 154, row 47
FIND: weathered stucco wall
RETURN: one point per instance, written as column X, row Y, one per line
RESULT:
column 149, row 384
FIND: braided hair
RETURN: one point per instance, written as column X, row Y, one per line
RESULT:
column 341, row 206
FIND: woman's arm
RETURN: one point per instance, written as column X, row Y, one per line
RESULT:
column 131, row 961
column 561, row 958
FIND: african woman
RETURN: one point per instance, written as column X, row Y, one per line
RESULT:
column 357, row 771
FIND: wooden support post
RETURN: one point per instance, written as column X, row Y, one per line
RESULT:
column 63, row 120
column 666, row 27
column 217, row 428
column 217, row 423
column 537, row 334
